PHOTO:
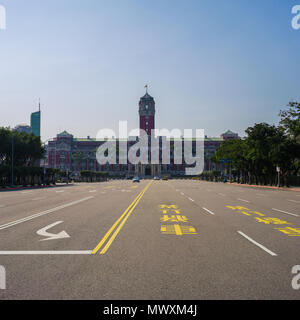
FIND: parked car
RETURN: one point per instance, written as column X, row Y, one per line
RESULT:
column 156, row 178
column 165, row 178
column 136, row 179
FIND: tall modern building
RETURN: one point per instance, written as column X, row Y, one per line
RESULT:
column 35, row 122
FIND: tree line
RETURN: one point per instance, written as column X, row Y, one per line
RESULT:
column 20, row 154
column 93, row 176
column 256, row 157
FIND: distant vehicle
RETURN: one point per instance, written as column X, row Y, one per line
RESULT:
column 136, row 179
column 156, row 178
column 130, row 178
column 165, row 178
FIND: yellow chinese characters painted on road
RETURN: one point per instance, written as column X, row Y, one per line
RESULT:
column 178, row 230
column 174, row 218
column 172, row 214
column 169, row 209
column 291, row 232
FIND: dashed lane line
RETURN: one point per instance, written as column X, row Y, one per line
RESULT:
column 212, row 213
column 292, row 214
column 244, row 200
column 257, row 244
column 293, row 201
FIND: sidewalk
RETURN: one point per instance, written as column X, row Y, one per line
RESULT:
column 297, row 189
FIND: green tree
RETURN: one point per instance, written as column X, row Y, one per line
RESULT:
column 290, row 120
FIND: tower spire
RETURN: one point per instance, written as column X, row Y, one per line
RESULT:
column 39, row 104
column 146, row 86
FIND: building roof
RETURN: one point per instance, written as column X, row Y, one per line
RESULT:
column 64, row 134
column 147, row 96
column 229, row 132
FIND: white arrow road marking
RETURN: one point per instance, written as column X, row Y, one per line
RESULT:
column 52, row 236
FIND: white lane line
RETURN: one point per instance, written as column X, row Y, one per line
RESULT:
column 12, row 223
column 2, row 206
column 61, row 191
column 182, row 193
column 257, row 244
column 92, row 191
column 26, row 192
column 208, row 211
column 221, row 194
column 41, row 198
column 71, row 252
column 293, row 201
column 191, row 199
column 243, row 200
column 292, row 214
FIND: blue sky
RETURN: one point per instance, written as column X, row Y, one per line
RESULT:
column 217, row 65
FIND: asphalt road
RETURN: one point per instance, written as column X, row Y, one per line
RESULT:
column 176, row 239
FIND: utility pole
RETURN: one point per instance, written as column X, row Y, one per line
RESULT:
column 12, row 159
column 278, row 172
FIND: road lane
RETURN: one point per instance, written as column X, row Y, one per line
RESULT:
column 161, row 252
column 253, row 225
column 19, row 206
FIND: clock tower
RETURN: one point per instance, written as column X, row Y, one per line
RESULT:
column 147, row 113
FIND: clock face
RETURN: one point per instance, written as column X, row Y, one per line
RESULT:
column 147, row 107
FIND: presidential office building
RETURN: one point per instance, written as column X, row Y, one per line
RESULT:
column 67, row 153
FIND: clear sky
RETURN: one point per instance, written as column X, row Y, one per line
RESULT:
column 217, row 65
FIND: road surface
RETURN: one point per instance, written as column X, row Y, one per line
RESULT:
column 176, row 239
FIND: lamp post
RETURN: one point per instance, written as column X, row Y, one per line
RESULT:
column 12, row 159
column 278, row 172
column 44, row 163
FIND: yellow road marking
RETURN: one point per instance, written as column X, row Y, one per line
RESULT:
column 122, row 221
column 177, row 230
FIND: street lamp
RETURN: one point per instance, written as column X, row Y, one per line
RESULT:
column 44, row 164
column 278, row 172
column 12, row 158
